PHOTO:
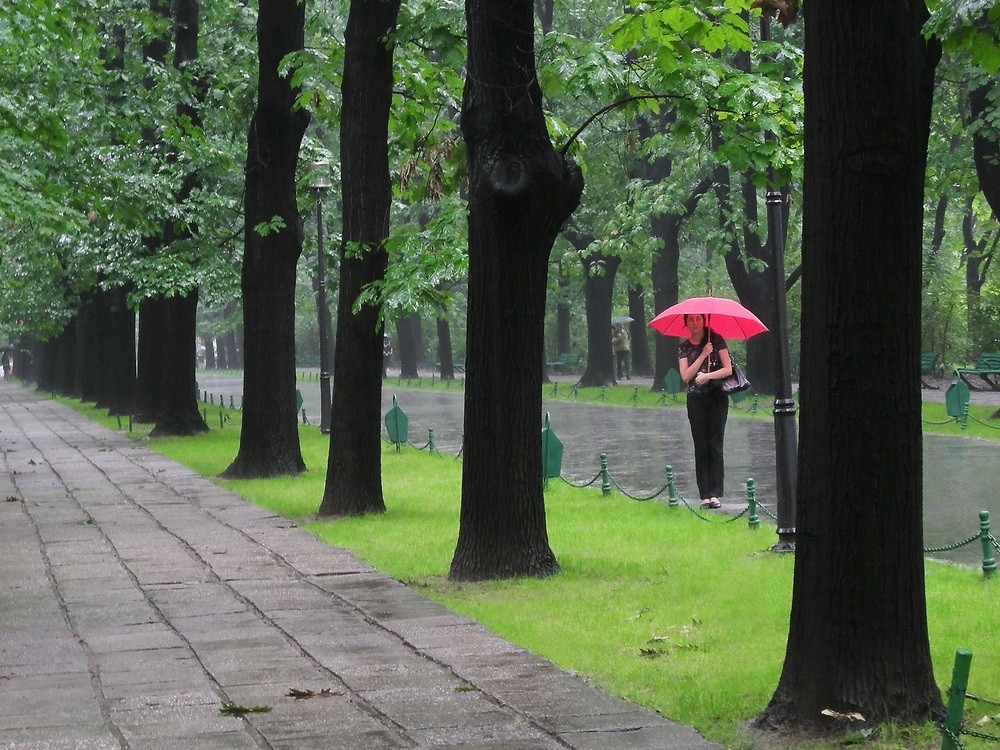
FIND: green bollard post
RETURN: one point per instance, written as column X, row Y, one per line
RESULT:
column 555, row 387
column 989, row 563
column 119, row 417
column 605, row 476
column 635, row 395
column 433, row 379
column 231, row 402
column 304, row 420
column 211, row 399
column 671, row 488
column 956, row 699
column 204, row 414
column 603, row 396
column 430, row 440
column 130, row 423
column 204, row 397
column 575, row 391
column 965, row 416
column 753, row 521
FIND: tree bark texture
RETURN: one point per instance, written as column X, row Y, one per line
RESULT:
column 600, row 272
column 122, row 378
column 985, row 146
column 858, row 629
column 178, row 412
column 354, row 469
column 269, row 440
column 642, row 365
column 152, row 329
column 409, row 345
column 445, row 355
column 520, row 193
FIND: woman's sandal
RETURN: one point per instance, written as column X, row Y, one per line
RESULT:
column 711, row 503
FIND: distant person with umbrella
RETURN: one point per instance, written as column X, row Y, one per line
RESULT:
column 622, row 343
column 703, row 362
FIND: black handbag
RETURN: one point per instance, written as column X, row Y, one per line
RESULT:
column 737, row 381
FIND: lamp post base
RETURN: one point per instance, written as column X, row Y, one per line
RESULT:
column 786, row 541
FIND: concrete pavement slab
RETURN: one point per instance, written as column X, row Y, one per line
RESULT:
column 140, row 599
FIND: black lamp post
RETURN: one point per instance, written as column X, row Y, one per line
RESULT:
column 319, row 184
column 786, row 455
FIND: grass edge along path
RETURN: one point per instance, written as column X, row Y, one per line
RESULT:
column 682, row 616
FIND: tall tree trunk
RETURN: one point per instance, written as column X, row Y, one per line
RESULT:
column 122, row 379
column 177, row 412
column 152, row 330
column 520, row 193
column 178, row 401
column 598, row 285
column 445, row 354
column 986, row 141
column 666, row 288
column 354, row 469
column 858, row 628
column 408, row 345
column 269, row 440
column 641, row 363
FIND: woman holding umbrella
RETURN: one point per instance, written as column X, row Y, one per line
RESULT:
column 703, row 362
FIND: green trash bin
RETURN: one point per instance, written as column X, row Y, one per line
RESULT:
column 956, row 398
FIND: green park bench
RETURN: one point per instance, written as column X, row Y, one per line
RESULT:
column 928, row 361
column 987, row 368
column 565, row 363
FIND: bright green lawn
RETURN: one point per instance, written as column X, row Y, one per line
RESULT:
column 684, row 616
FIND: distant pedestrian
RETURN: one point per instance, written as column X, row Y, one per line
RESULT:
column 622, row 343
column 7, row 364
column 703, row 362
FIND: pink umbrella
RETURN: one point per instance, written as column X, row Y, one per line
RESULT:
column 724, row 316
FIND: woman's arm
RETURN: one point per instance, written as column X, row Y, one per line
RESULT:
column 724, row 371
column 689, row 371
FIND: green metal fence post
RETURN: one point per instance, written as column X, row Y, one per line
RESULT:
column 956, row 699
column 603, row 396
column 635, row 395
column 605, row 476
column 430, row 440
column 753, row 521
column 989, row 563
column 965, row 416
column 222, row 416
column 671, row 488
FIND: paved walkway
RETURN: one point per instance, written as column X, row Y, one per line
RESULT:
column 139, row 598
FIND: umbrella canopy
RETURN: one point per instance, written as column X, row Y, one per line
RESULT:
column 621, row 319
column 724, row 316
